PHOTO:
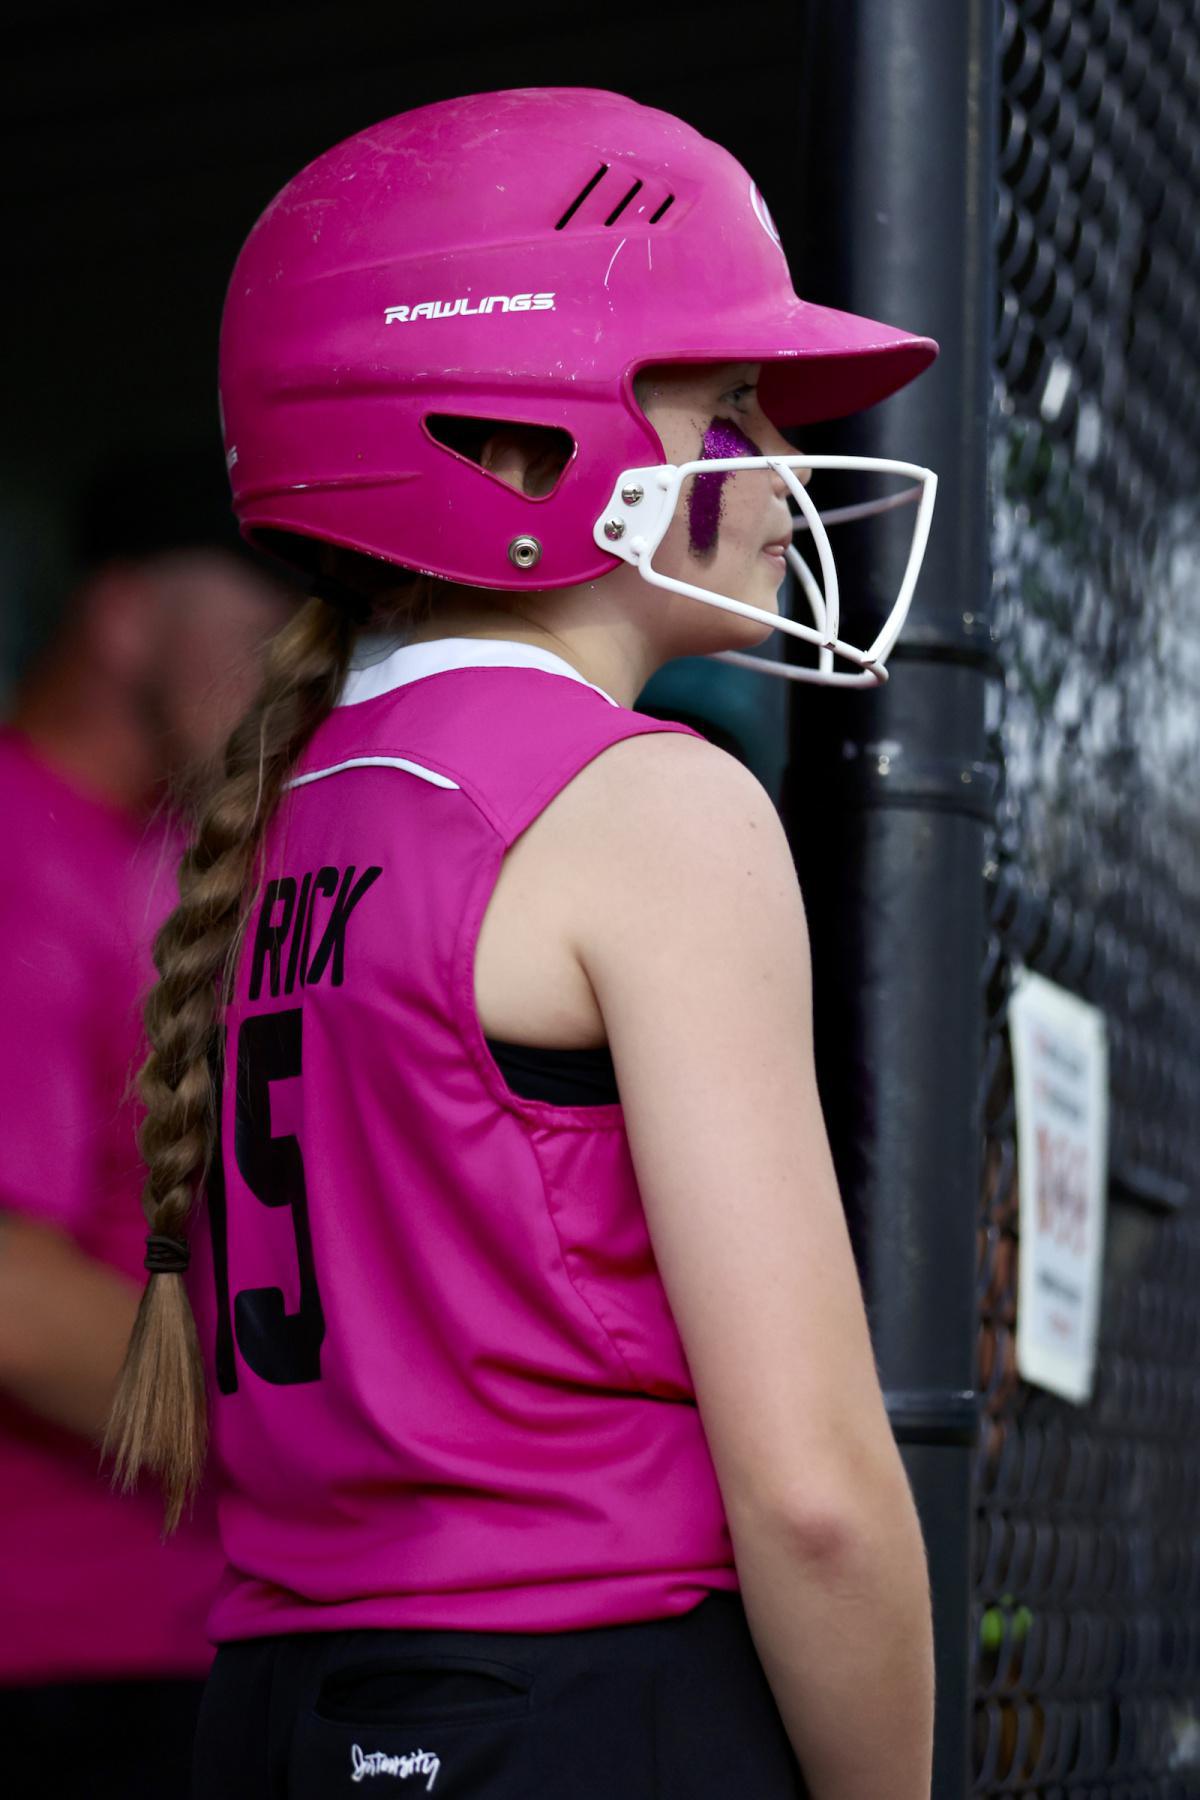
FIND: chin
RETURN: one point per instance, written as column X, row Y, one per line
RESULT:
column 718, row 629
column 753, row 631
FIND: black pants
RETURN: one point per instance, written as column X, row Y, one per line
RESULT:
column 668, row 1709
column 110, row 1740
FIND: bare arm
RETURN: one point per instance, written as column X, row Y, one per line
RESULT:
column 692, row 933
column 65, row 1320
column 845, row 1637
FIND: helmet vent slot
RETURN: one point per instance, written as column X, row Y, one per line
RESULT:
column 619, row 208
column 581, row 196
column 631, row 194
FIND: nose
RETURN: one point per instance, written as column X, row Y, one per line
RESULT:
column 772, row 444
column 779, row 486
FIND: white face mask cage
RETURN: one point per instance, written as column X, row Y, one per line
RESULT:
column 643, row 504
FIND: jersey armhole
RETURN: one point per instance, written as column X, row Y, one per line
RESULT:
column 605, row 1115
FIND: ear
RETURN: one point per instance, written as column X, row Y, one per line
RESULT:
column 502, row 456
column 527, row 457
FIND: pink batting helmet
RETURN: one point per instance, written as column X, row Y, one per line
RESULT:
column 513, row 256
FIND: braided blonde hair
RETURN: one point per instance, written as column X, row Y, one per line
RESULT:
column 159, row 1416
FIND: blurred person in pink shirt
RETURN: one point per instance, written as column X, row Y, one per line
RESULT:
column 102, row 1645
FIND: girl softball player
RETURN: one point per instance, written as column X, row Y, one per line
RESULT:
column 549, row 1449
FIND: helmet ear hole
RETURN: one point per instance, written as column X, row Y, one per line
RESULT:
column 531, row 458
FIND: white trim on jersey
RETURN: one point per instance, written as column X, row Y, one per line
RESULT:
column 374, row 762
column 378, row 664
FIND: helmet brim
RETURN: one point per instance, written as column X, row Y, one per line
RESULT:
column 817, row 362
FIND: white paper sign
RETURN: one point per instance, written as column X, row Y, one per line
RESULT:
column 1060, row 1067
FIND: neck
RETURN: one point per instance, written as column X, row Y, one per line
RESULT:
column 607, row 652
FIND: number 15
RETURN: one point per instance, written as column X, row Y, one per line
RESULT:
column 280, row 1346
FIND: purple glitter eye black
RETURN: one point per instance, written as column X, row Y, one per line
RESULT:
column 723, row 438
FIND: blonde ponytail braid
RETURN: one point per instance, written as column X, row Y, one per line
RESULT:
column 158, row 1421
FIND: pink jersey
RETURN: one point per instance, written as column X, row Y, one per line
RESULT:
column 87, row 1589
column 449, row 1391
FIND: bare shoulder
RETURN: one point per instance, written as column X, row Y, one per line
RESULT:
column 643, row 820
column 664, row 809
column 671, row 768
column 684, row 899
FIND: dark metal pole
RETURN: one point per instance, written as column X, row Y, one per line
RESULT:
column 888, row 793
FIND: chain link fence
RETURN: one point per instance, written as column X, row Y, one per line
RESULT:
column 1087, row 1537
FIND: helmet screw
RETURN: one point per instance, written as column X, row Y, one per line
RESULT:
column 633, row 494
column 524, row 552
column 614, row 529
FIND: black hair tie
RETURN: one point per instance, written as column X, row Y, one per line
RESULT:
column 166, row 1255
